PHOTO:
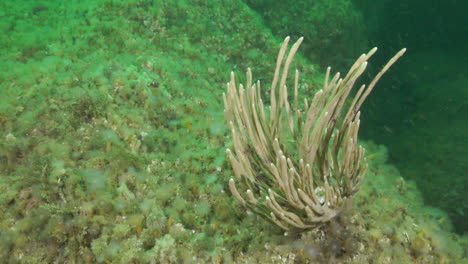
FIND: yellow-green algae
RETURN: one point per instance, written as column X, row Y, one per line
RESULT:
column 112, row 145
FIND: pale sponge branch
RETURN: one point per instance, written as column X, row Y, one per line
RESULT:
column 297, row 162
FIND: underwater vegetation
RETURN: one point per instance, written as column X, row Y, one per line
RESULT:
column 309, row 165
column 112, row 145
